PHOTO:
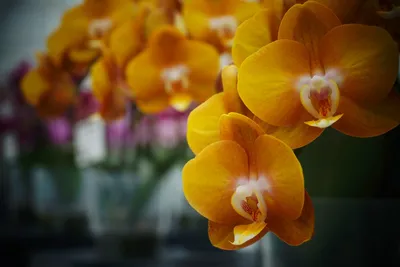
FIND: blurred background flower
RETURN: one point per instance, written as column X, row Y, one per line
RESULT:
column 59, row 131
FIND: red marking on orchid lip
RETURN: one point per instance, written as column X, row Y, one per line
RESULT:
column 321, row 101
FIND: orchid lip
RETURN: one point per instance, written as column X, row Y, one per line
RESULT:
column 248, row 200
column 225, row 27
column 175, row 79
column 320, row 96
column 98, row 27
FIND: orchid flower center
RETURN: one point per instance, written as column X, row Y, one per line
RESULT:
column 175, row 79
column 98, row 27
column 248, row 200
column 320, row 96
column 225, row 27
column 225, row 59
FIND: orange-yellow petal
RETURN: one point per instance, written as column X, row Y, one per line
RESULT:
column 153, row 105
column 156, row 18
column 143, row 76
column 33, row 85
column 222, row 236
column 82, row 55
column 124, row 10
column 75, row 17
column 295, row 232
column 209, row 181
column 277, row 163
column 253, row 34
column 232, row 101
column 368, row 67
column 195, row 19
column 369, row 121
column 203, row 123
column 63, row 39
column 242, row 130
column 245, row 10
column 113, row 106
column 101, row 82
column 105, row 89
column 165, row 46
column 267, row 81
column 307, row 24
column 202, row 60
column 295, row 136
column 126, row 41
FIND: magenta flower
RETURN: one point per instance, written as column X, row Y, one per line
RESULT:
column 167, row 132
column 118, row 133
column 59, row 131
column 143, row 132
column 16, row 115
column 170, row 127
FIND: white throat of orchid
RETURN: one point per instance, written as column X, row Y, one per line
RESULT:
column 225, row 27
column 98, row 27
column 248, row 200
column 320, row 96
column 225, row 59
column 175, row 79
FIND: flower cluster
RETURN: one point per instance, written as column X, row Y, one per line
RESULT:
column 298, row 69
column 288, row 69
column 154, row 53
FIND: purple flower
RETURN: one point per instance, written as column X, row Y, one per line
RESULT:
column 142, row 133
column 167, row 132
column 59, row 131
column 118, row 132
column 16, row 115
column 170, row 127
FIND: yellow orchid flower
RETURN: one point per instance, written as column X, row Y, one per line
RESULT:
column 203, row 121
column 165, row 12
column 99, row 17
column 323, row 73
column 172, row 71
column 215, row 21
column 254, row 33
column 251, row 35
column 68, row 47
column 262, row 191
column 130, row 38
column 109, row 86
column 49, row 89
